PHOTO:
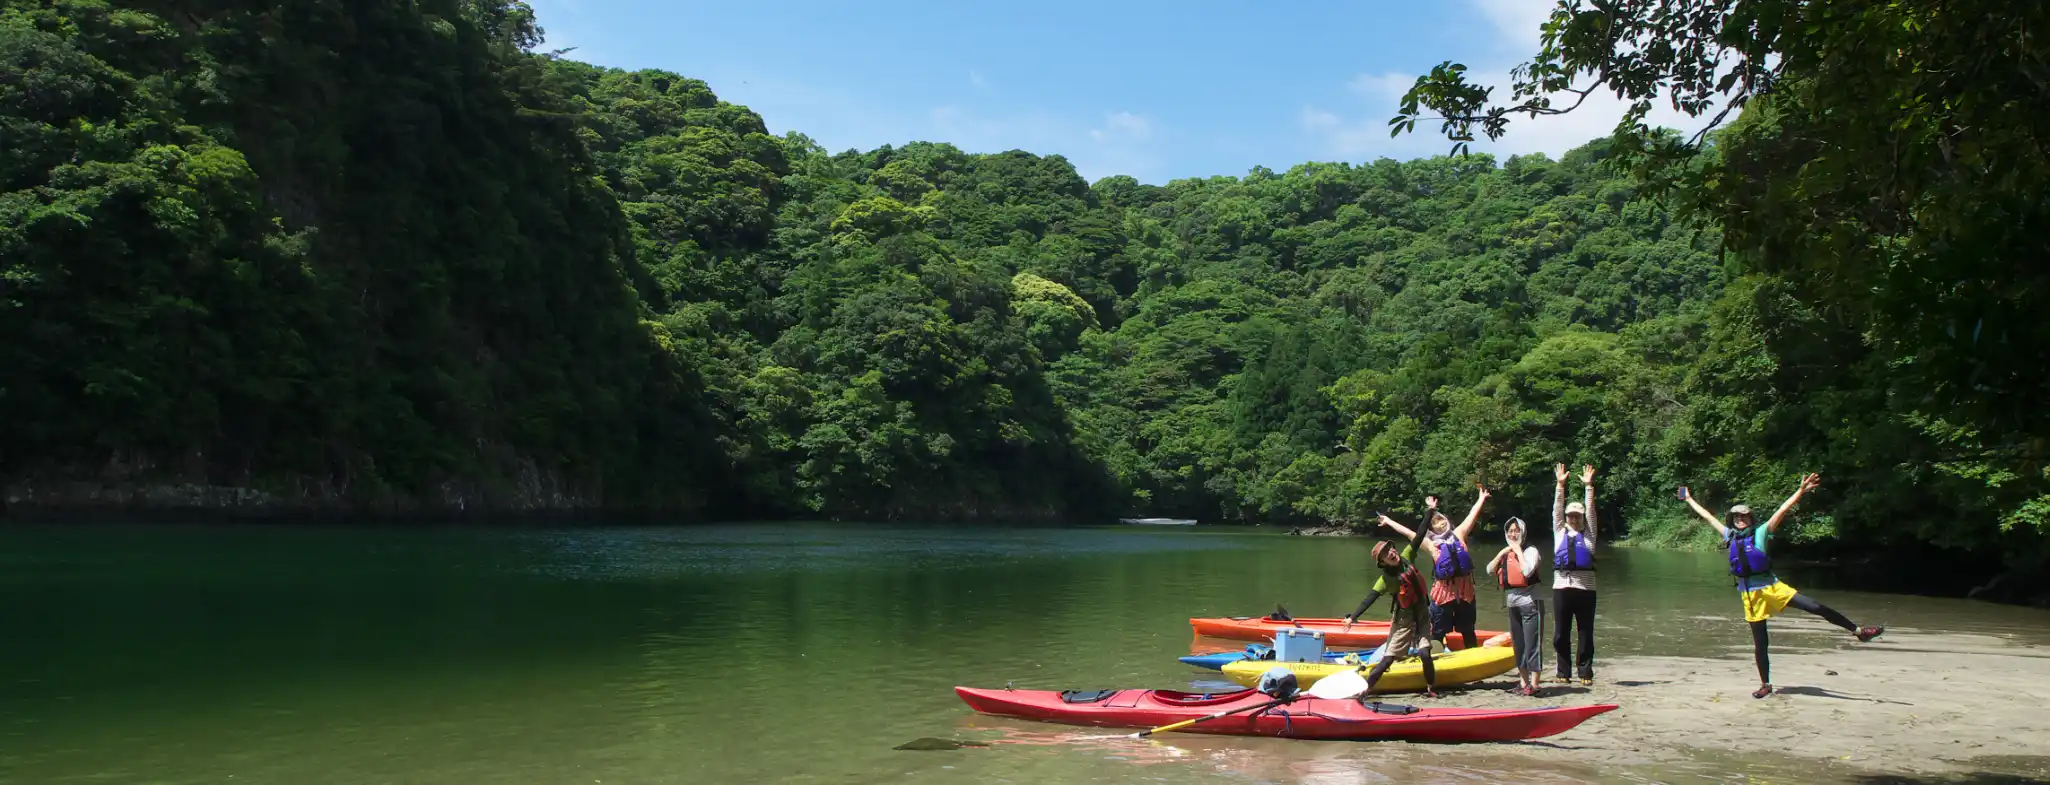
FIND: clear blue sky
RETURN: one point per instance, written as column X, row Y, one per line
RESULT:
column 1157, row 90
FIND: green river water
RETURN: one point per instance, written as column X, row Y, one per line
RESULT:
column 795, row 653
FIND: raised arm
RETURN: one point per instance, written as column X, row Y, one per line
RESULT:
column 1472, row 515
column 1559, row 500
column 1497, row 561
column 1703, row 512
column 1402, row 530
column 1587, row 480
column 1415, row 538
column 1808, row 483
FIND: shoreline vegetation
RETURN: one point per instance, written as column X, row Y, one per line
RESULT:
column 450, row 273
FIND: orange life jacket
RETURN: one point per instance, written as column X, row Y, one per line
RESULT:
column 1511, row 575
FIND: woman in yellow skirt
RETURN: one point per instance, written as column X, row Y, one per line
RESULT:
column 1763, row 593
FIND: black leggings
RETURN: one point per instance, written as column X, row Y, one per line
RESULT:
column 1760, row 639
column 1388, row 660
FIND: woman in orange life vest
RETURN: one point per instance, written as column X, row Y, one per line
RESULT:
column 1452, row 600
column 1515, row 570
column 1763, row 594
column 1406, row 624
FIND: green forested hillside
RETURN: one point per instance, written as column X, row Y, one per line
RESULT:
column 384, row 256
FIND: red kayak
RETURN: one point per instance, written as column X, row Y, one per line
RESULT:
column 1305, row 718
column 1364, row 634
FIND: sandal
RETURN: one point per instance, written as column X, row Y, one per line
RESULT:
column 1762, row 691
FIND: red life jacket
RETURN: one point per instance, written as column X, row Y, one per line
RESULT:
column 1409, row 588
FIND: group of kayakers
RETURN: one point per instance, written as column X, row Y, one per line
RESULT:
column 1423, row 614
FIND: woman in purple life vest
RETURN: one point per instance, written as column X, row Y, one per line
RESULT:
column 1452, row 597
column 1763, row 594
column 1573, row 540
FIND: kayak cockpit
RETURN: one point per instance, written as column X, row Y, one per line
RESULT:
column 1178, row 698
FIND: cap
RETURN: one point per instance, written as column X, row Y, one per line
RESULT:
column 1576, row 508
column 1741, row 509
column 1382, row 548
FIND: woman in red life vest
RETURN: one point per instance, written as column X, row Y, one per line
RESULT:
column 1406, row 624
column 1452, row 597
column 1515, row 569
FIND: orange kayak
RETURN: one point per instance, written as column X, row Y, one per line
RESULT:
column 1363, row 634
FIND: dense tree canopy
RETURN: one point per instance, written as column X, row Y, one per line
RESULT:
column 384, row 255
column 1883, row 188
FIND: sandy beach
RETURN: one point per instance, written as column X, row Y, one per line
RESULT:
column 1931, row 703
column 1913, row 707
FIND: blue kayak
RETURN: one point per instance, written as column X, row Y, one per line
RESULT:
column 1256, row 651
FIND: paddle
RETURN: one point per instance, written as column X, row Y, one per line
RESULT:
column 1338, row 686
column 1283, row 612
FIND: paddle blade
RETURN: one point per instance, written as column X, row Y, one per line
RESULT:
column 1342, row 685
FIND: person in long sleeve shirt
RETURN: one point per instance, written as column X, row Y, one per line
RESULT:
column 1406, row 626
column 1573, row 542
column 1764, row 595
column 1515, row 569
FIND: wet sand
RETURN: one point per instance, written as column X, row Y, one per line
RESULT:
column 1909, row 702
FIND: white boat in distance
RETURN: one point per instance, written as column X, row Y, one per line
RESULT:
column 1160, row 521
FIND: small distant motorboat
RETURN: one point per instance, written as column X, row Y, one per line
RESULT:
column 1159, row 521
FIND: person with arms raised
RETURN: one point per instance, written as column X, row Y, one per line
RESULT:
column 1763, row 593
column 1573, row 539
column 1452, row 598
column 1406, row 625
column 1515, row 570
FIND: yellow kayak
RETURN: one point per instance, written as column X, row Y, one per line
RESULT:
column 1459, row 667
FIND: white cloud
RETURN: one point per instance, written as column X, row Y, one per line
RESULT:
column 1114, row 147
column 1384, row 88
column 1122, row 124
column 982, row 133
column 1511, row 37
column 1317, row 120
